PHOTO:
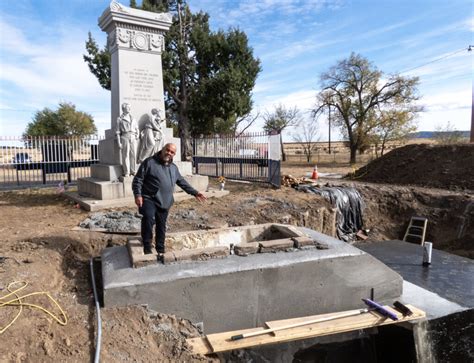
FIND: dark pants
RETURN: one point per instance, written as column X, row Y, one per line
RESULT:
column 152, row 214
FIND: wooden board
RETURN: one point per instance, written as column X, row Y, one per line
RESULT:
column 220, row 342
column 103, row 230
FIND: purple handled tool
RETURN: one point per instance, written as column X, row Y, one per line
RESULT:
column 380, row 309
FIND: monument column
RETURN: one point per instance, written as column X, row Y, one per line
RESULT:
column 135, row 40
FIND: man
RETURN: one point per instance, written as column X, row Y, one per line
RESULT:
column 153, row 187
column 127, row 135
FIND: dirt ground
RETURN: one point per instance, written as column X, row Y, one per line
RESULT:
column 37, row 246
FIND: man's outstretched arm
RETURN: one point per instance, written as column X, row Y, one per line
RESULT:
column 183, row 184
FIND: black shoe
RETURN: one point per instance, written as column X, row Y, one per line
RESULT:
column 147, row 250
column 160, row 251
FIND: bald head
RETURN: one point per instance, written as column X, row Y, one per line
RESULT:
column 168, row 152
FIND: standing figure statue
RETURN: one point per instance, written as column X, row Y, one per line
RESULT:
column 127, row 136
column 151, row 136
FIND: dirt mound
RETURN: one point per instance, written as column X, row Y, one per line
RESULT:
column 435, row 166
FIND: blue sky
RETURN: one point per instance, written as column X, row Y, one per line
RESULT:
column 42, row 43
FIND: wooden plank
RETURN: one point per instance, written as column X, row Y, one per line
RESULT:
column 221, row 342
column 98, row 229
column 280, row 323
column 103, row 230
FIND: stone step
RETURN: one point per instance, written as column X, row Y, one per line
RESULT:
column 199, row 254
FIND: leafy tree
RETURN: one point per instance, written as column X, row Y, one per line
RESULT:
column 208, row 76
column 359, row 94
column 393, row 125
column 279, row 120
column 448, row 135
column 65, row 121
column 308, row 137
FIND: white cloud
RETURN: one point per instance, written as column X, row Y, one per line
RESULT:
column 302, row 99
column 43, row 71
column 15, row 42
column 421, row 39
column 446, row 101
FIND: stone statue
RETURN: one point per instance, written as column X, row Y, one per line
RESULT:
column 127, row 136
column 151, row 136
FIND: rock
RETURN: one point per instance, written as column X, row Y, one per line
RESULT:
column 302, row 241
column 276, row 245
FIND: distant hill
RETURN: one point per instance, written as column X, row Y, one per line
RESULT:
column 433, row 134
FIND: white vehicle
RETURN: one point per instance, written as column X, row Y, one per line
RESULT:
column 248, row 152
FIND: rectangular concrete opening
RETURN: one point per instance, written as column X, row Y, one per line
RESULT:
column 219, row 243
column 272, row 232
column 230, row 236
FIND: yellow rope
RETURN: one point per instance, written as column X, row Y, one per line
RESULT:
column 18, row 301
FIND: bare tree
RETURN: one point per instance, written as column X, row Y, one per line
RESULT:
column 244, row 122
column 279, row 120
column 308, row 137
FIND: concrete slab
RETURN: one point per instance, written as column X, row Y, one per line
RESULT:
column 93, row 205
column 434, row 305
column 449, row 276
column 237, row 293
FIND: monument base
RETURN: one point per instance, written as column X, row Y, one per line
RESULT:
column 122, row 188
column 106, row 171
column 92, row 204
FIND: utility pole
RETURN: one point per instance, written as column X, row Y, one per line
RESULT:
column 329, row 122
column 469, row 49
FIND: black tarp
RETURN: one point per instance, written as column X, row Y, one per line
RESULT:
column 349, row 206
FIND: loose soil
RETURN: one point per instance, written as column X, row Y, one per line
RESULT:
column 38, row 246
column 436, row 166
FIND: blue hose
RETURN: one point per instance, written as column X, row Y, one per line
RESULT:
column 99, row 321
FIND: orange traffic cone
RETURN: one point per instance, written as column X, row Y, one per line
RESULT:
column 314, row 176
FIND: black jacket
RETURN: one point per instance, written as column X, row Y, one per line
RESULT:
column 156, row 181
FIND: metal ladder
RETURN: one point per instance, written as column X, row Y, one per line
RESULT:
column 416, row 230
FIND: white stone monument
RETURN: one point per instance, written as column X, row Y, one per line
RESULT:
column 135, row 40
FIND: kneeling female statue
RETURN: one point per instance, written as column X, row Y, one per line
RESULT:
column 151, row 136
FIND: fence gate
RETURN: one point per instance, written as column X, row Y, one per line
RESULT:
column 252, row 157
column 36, row 161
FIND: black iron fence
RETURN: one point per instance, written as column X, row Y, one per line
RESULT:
column 36, row 161
column 251, row 157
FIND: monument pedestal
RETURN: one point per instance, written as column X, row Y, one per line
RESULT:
column 135, row 40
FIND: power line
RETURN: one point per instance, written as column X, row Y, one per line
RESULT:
column 438, row 59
